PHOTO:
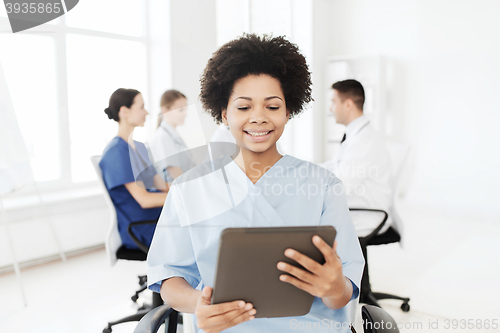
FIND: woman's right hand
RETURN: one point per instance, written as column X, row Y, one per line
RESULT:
column 218, row 317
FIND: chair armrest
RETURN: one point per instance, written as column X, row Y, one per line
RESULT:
column 377, row 320
column 143, row 247
column 377, row 229
column 152, row 321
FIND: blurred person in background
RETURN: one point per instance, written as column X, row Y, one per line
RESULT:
column 362, row 162
column 135, row 188
column 169, row 152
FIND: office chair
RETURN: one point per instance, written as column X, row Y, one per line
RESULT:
column 399, row 153
column 115, row 250
column 375, row 320
column 390, row 236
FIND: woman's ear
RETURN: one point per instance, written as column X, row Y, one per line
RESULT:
column 287, row 116
column 224, row 117
column 122, row 114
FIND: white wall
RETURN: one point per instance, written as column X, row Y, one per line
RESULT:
column 445, row 59
column 322, row 49
column 194, row 39
column 74, row 222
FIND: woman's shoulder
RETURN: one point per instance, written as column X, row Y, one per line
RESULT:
column 116, row 147
column 159, row 139
column 116, row 143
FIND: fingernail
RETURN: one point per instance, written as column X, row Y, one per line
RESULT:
column 248, row 306
column 252, row 312
column 289, row 253
column 281, row 265
column 241, row 304
column 282, row 277
column 251, row 318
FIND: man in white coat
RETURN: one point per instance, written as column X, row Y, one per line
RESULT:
column 362, row 162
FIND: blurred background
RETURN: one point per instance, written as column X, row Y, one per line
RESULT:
column 431, row 70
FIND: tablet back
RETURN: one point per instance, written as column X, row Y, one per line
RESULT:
column 246, row 268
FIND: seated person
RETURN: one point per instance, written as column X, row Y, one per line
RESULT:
column 362, row 161
column 170, row 153
column 137, row 192
column 254, row 85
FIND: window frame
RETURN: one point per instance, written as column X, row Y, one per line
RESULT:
column 59, row 32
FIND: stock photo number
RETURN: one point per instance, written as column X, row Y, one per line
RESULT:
column 26, row 14
column 470, row 324
column 33, row 7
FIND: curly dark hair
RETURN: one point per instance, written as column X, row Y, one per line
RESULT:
column 253, row 55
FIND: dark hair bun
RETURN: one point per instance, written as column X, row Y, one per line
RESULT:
column 121, row 97
column 108, row 112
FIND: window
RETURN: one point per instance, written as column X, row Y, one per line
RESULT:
column 114, row 16
column 31, row 77
column 117, row 64
column 60, row 76
column 292, row 18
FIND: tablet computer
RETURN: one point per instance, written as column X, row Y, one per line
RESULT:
column 246, row 268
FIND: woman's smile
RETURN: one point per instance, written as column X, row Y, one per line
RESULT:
column 256, row 113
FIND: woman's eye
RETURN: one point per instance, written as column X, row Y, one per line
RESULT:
column 274, row 108
column 243, row 108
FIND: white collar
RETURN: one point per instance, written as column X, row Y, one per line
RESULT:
column 167, row 127
column 355, row 125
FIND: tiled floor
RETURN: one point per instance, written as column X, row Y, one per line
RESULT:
column 450, row 267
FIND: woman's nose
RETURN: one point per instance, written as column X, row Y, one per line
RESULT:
column 258, row 115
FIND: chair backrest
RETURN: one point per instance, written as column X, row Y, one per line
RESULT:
column 399, row 153
column 113, row 239
column 377, row 320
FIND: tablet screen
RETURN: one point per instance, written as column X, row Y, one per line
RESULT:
column 246, row 268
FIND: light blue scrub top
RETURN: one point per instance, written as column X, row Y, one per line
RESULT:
column 120, row 165
column 292, row 192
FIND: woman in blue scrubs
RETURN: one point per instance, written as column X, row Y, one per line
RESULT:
column 137, row 192
column 255, row 85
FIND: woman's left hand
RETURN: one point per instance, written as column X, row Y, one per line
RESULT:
column 325, row 281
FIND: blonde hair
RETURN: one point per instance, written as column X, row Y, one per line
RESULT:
column 168, row 99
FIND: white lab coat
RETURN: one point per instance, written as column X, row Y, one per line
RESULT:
column 363, row 164
column 169, row 150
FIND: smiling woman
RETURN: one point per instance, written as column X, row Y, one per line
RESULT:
column 256, row 113
column 254, row 85
column 235, row 60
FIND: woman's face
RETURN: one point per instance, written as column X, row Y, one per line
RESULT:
column 136, row 114
column 256, row 112
column 176, row 113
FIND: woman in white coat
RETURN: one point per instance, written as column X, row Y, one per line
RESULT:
column 169, row 151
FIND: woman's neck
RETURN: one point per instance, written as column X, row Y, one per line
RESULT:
column 255, row 165
column 125, row 131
